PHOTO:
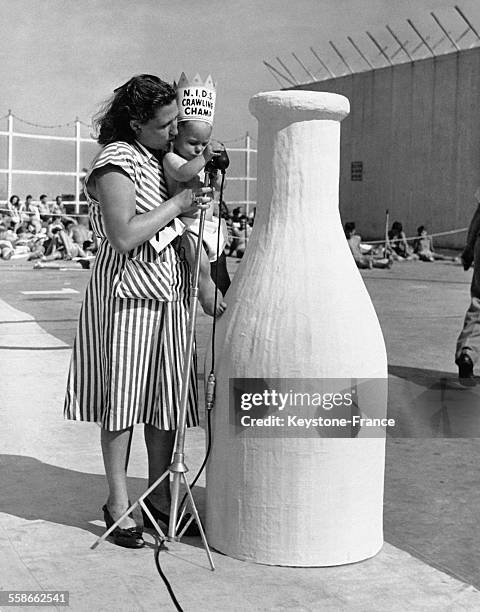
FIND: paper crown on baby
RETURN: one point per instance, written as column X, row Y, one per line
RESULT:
column 196, row 99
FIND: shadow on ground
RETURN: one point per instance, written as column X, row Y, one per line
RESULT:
column 39, row 491
column 431, row 493
column 431, row 404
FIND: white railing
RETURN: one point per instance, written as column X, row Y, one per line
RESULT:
column 77, row 173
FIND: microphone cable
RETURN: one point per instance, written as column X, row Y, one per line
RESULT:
column 158, row 549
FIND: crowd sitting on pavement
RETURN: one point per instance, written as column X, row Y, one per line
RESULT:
column 42, row 231
column 396, row 248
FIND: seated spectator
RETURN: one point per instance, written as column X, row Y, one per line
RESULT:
column 53, row 245
column 29, row 242
column 24, row 214
column 23, row 236
column 21, row 243
column 31, row 209
column 237, row 217
column 6, row 244
column 91, row 246
column 363, row 260
column 72, row 249
column 423, row 247
column 58, row 207
column 13, row 207
column 34, row 225
column 240, row 236
column 62, row 246
column 72, row 232
column 44, row 208
column 228, row 222
column 51, row 224
column 78, row 231
column 399, row 246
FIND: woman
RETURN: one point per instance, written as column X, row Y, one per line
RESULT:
column 128, row 352
column 13, row 207
column 398, row 243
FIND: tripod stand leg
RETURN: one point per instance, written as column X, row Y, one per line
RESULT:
column 150, row 516
column 199, row 523
column 140, row 502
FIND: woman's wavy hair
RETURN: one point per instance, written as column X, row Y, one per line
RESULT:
column 138, row 98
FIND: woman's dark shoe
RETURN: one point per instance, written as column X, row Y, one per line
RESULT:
column 158, row 515
column 128, row 538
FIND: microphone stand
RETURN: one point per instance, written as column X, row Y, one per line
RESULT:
column 177, row 468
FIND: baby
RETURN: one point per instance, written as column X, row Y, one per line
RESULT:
column 185, row 164
column 192, row 150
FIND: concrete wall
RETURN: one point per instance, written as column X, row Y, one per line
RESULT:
column 416, row 128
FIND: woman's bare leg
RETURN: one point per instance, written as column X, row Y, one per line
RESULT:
column 116, row 449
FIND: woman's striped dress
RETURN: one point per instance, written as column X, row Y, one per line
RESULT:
column 127, row 360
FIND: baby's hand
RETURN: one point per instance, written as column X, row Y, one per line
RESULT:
column 218, row 147
column 209, row 153
column 213, row 149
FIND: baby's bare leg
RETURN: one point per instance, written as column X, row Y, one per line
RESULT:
column 206, row 286
column 189, row 245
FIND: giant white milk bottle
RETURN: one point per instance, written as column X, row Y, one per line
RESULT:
column 299, row 318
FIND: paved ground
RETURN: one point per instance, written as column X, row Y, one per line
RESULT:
column 52, row 483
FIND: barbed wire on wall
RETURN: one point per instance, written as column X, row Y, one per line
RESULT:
column 385, row 49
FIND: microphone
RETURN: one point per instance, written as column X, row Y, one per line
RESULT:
column 219, row 162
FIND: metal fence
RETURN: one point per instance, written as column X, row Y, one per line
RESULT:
column 244, row 197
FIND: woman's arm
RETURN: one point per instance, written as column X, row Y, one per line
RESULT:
column 124, row 228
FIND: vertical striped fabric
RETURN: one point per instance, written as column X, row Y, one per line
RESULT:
column 128, row 354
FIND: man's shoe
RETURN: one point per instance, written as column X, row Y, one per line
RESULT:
column 465, row 370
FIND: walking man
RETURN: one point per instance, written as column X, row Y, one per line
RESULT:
column 468, row 343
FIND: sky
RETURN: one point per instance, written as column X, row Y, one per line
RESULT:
column 61, row 58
